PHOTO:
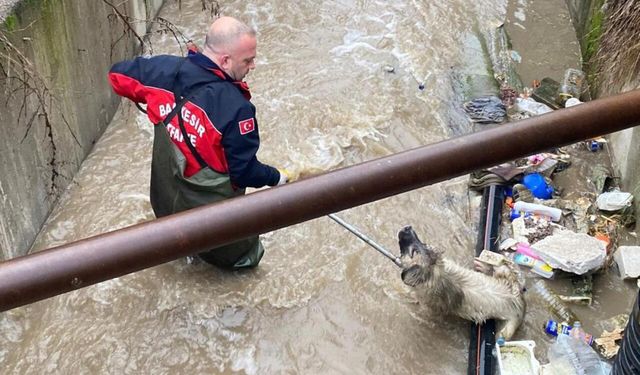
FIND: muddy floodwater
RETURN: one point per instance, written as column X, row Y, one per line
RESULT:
column 336, row 83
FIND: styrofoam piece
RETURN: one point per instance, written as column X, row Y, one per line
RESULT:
column 517, row 358
column 628, row 259
column 573, row 252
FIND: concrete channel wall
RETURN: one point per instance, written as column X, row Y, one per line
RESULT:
column 56, row 101
column 610, row 74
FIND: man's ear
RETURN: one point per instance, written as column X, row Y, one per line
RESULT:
column 413, row 275
column 224, row 61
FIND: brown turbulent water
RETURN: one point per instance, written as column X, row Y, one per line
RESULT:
column 321, row 301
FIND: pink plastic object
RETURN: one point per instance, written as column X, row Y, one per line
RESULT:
column 525, row 249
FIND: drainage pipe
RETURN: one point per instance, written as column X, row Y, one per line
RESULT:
column 75, row 265
column 482, row 338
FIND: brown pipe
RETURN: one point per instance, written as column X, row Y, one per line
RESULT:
column 61, row 269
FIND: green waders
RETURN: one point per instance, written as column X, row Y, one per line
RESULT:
column 172, row 192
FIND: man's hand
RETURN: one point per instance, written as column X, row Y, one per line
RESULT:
column 284, row 176
column 192, row 47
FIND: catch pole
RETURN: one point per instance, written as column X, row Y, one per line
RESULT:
column 366, row 239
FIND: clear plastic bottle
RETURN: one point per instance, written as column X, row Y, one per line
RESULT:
column 554, row 303
column 569, row 356
column 571, row 85
column 578, row 332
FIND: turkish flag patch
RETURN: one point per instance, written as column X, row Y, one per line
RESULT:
column 247, row 126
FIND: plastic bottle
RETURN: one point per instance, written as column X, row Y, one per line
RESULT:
column 554, row 213
column 524, row 248
column 570, row 356
column 577, row 332
column 554, row 328
column 571, row 86
column 554, row 303
column 538, row 266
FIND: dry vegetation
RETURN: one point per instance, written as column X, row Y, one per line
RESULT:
column 617, row 60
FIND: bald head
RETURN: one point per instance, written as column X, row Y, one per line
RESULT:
column 224, row 34
column 231, row 44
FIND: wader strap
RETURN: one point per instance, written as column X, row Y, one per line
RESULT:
column 179, row 104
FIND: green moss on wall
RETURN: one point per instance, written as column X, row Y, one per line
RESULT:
column 591, row 39
column 10, row 23
column 13, row 21
column 590, row 42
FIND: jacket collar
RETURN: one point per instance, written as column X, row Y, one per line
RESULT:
column 206, row 63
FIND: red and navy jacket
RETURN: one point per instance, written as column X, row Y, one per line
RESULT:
column 219, row 118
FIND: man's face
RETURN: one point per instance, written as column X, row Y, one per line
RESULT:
column 242, row 58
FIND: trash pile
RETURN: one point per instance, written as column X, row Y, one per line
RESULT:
column 549, row 236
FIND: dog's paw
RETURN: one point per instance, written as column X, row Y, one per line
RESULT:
column 482, row 267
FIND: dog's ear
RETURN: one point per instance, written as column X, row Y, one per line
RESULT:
column 413, row 276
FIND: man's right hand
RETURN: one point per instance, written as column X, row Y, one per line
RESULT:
column 284, row 177
column 192, row 47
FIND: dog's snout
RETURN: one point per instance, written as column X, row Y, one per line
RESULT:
column 406, row 232
column 407, row 235
column 408, row 240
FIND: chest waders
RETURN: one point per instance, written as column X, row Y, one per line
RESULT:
column 172, row 192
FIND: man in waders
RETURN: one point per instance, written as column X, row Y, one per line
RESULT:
column 206, row 132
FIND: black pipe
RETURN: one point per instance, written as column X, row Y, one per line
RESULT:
column 58, row 270
column 483, row 336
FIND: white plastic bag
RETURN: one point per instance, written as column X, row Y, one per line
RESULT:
column 531, row 107
column 614, row 200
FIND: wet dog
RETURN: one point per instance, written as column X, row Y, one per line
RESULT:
column 449, row 288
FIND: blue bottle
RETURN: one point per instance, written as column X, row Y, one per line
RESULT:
column 553, row 328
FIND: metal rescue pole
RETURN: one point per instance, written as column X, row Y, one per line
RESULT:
column 366, row 239
column 75, row 265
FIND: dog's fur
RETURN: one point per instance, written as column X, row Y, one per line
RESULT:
column 452, row 289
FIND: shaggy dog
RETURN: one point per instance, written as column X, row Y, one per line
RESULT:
column 451, row 289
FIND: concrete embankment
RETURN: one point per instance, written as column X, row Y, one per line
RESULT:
column 609, row 37
column 56, row 101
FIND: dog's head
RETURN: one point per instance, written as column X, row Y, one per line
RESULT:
column 417, row 258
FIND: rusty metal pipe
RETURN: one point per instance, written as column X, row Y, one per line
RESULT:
column 61, row 269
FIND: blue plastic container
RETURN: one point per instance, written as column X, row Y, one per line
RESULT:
column 514, row 214
column 553, row 328
column 538, row 186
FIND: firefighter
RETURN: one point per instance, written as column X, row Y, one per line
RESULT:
column 205, row 128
